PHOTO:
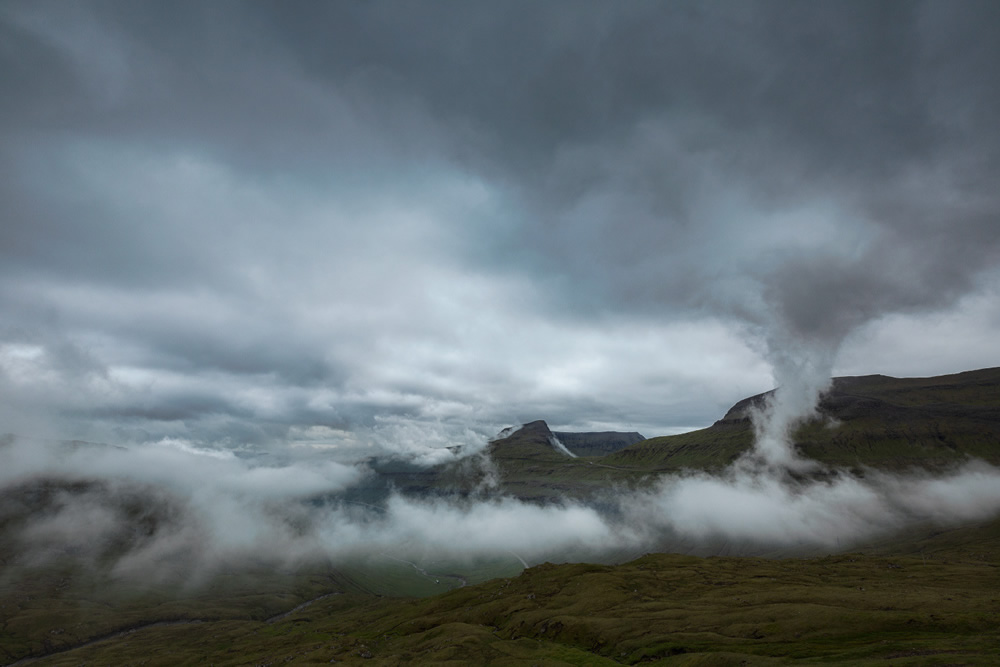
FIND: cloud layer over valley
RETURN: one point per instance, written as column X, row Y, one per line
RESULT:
column 250, row 245
column 171, row 512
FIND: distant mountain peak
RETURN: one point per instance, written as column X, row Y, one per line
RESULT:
column 591, row 443
column 531, row 441
column 598, row 443
column 537, row 426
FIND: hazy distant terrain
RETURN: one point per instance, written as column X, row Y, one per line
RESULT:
column 912, row 590
column 599, row 443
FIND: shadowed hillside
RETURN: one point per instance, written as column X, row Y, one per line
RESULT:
column 600, row 443
column 932, row 602
column 531, row 468
column 874, row 420
column 870, row 421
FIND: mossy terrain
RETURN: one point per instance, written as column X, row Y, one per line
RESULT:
column 61, row 603
column 935, row 601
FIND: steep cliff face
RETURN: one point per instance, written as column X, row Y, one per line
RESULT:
column 533, row 441
column 535, row 438
column 598, row 443
column 530, row 467
column 969, row 393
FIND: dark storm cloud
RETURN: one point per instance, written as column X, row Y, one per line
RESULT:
column 620, row 126
column 273, row 216
column 259, row 238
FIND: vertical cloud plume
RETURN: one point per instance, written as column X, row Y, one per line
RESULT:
column 313, row 217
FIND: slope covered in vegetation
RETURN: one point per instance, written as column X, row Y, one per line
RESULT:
column 931, row 601
column 874, row 420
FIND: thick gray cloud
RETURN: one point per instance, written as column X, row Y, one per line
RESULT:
column 258, row 223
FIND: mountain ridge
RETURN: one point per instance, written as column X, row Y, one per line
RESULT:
column 873, row 420
column 598, row 443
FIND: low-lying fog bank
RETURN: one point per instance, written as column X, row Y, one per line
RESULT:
column 164, row 510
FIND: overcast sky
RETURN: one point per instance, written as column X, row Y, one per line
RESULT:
column 259, row 224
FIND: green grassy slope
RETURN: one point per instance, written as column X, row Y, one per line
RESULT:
column 63, row 603
column 874, row 420
column 941, row 606
column 600, row 443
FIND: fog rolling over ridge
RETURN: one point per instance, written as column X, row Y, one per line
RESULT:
column 256, row 245
column 170, row 511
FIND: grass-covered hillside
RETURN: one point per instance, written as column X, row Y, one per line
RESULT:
column 871, row 421
column 600, row 443
column 874, row 420
column 930, row 601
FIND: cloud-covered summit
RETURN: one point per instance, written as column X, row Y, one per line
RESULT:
column 350, row 223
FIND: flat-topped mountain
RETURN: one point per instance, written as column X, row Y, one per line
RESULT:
column 872, row 420
column 968, row 393
column 590, row 443
column 531, row 441
column 598, row 443
column 531, row 466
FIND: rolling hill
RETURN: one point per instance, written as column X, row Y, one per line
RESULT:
column 931, row 602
